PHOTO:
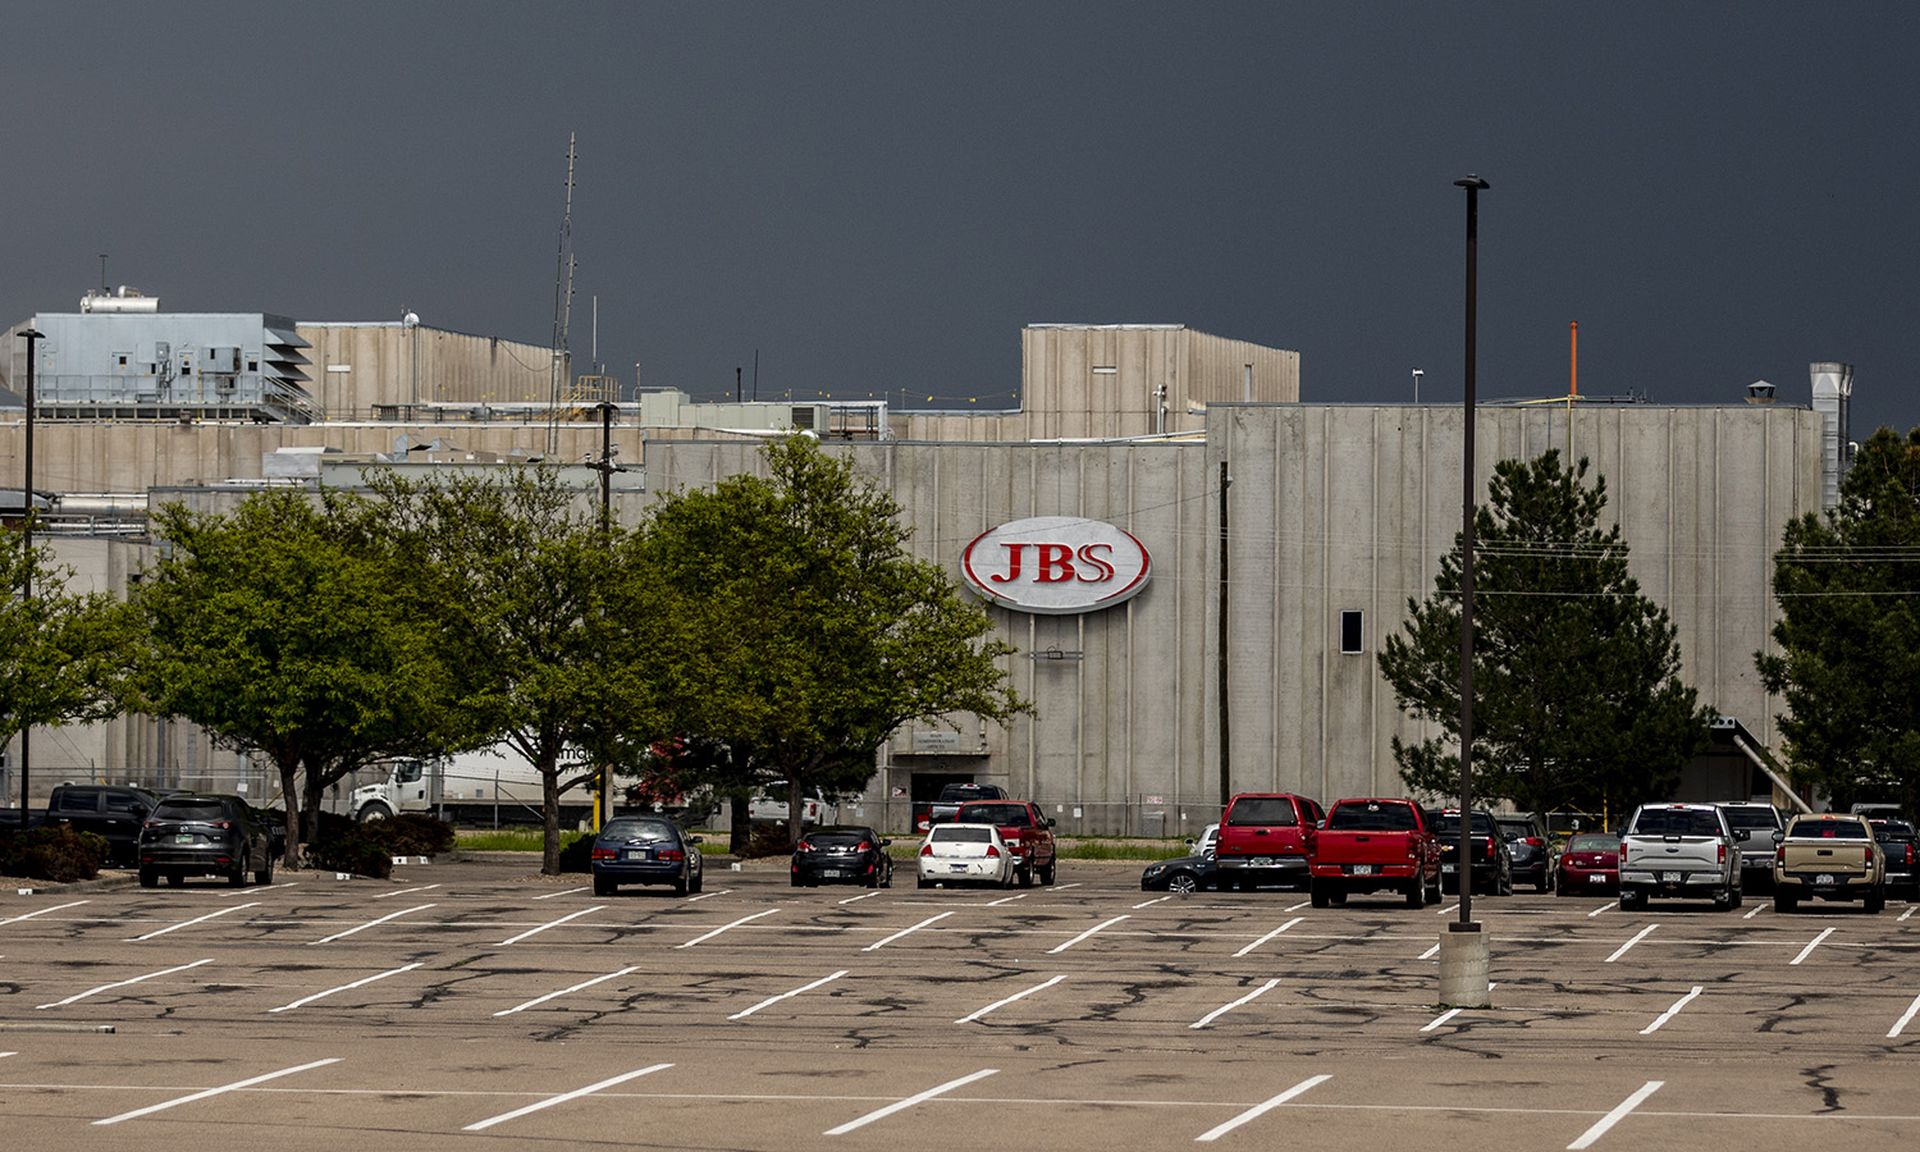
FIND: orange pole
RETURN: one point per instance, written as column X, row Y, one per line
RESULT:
column 1573, row 367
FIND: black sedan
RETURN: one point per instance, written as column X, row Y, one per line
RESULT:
column 843, row 853
column 645, row 850
column 1185, row 874
column 203, row 834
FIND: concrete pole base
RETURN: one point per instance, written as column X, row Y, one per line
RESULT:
column 1463, row 967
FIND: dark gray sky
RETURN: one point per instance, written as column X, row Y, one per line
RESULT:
column 877, row 196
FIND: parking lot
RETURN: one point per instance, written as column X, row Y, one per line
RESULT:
column 470, row 1003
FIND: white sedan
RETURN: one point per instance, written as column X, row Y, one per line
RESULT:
column 965, row 853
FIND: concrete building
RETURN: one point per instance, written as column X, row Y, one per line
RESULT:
column 1337, row 515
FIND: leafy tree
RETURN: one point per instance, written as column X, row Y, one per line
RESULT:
column 542, row 619
column 1577, row 696
column 804, row 633
column 274, row 628
column 59, row 652
column 1849, row 632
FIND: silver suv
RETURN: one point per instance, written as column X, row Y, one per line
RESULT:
column 1760, row 821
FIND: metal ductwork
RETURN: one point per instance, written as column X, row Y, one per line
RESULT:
column 1832, row 397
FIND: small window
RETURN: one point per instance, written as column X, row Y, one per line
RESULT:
column 123, row 361
column 253, row 365
column 1352, row 632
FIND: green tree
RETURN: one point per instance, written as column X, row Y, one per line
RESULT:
column 59, row 652
column 1848, row 664
column 1577, row 695
column 543, row 620
column 274, row 628
column 804, row 633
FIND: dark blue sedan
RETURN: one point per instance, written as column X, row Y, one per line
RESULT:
column 645, row 850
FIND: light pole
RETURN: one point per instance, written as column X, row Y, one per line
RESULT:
column 1464, row 950
column 1417, row 373
column 603, row 801
column 32, row 336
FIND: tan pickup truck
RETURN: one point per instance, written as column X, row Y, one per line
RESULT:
column 1829, row 856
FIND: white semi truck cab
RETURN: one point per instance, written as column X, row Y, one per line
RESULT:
column 494, row 785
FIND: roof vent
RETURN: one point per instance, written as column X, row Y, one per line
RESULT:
column 1759, row 392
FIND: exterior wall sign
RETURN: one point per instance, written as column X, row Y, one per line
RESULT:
column 1056, row 565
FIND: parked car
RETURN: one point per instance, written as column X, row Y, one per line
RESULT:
column 1492, row 858
column 843, row 853
column 1680, row 851
column 1829, row 856
column 955, row 853
column 770, row 807
column 1370, row 844
column 1208, row 842
column 1027, row 832
column 947, row 805
column 111, row 811
column 203, row 834
column 1266, row 838
column 645, row 850
column 1527, row 845
column 1193, row 873
column 1589, row 863
column 1896, row 839
column 1760, row 820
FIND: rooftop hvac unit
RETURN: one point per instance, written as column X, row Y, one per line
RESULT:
column 803, row 418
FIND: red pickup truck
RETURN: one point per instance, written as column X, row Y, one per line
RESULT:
column 1370, row 844
column 1265, row 838
column 1028, row 834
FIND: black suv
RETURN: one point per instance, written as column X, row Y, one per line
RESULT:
column 204, row 834
column 111, row 811
column 1532, row 857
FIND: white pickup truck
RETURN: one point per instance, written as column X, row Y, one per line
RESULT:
column 1683, row 851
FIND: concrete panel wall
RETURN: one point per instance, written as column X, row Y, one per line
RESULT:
column 387, row 363
column 1068, row 393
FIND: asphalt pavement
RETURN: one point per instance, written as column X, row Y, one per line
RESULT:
column 462, row 1005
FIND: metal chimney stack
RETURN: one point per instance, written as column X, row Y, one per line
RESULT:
column 1832, row 397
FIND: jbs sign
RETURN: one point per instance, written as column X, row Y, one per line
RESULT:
column 1056, row 565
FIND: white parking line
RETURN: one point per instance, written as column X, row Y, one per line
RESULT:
column 724, row 927
column 1006, row 900
column 862, row 896
column 4, row 1055
column 192, row 922
column 550, row 1101
column 1296, row 907
column 1607, row 907
column 709, row 895
column 370, row 924
column 787, row 995
column 224, row 1088
column 1259, row 1110
column 916, row 1098
column 1671, row 1012
column 41, row 912
column 1430, row 953
column 551, row 924
column 907, row 931
column 1905, row 914
column 1757, row 909
column 1811, row 945
column 563, row 892
column 1619, row 1113
column 1449, row 908
column 1271, row 935
column 124, row 983
column 1905, row 1019
column 537, row 1000
column 1226, row 1008
column 421, row 888
column 1064, row 887
column 1155, row 900
column 1637, row 937
column 1087, row 933
column 344, row 988
column 1450, row 1013
column 1044, row 984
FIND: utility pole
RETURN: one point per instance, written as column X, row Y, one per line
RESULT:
column 1226, row 743
column 31, row 336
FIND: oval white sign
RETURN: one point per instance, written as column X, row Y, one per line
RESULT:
column 1056, row 565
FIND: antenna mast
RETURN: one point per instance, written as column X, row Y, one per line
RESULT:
column 562, row 310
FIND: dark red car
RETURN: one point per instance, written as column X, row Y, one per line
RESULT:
column 1589, row 863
